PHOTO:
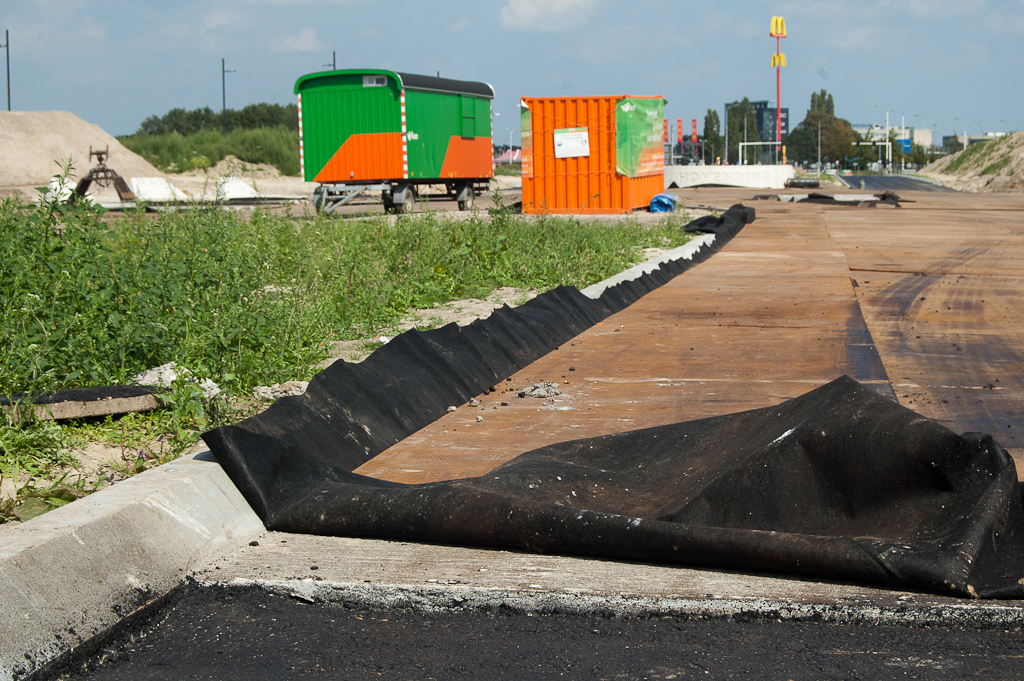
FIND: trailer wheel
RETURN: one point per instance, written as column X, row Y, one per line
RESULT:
column 319, row 198
column 467, row 199
column 407, row 205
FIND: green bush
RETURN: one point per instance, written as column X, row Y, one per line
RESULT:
column 174, row 152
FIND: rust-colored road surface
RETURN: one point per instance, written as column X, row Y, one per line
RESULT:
column 922, row 302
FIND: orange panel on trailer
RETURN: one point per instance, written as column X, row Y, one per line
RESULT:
column 365, row 156
column 591, row 154
column 468, row 157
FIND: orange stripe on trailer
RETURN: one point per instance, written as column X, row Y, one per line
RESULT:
column 365, row 156
column 468, row 157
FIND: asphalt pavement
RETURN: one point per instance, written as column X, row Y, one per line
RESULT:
column 249, row 634
column 895, row 183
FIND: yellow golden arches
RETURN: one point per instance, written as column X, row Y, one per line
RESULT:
column 778, row 28
column 778, row 60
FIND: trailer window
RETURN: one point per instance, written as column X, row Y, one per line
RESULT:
column 375, row 81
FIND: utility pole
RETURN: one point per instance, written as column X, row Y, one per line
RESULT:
column 7, row 47
column 224, row 96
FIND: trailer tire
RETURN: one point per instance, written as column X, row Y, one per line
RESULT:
column 407, row 205
column 467, row 199
column 319, row 198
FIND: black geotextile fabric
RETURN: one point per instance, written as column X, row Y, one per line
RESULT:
column 839, row 483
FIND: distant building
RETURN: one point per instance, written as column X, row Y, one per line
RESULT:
column 766, row 120
column 948, row 140
column 873, row 133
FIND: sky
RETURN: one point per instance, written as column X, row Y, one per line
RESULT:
column 943, row 65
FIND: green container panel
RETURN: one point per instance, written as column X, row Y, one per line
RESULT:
column 338, row 104
column 434, row 118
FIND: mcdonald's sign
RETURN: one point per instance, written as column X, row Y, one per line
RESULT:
column 778, row 59
column 778, row 27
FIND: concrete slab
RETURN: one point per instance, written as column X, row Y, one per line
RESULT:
column 755, row 177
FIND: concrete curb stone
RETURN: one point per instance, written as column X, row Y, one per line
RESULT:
column 71, row 574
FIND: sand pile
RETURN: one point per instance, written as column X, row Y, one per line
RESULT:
column 31, row 142
column 996, row 165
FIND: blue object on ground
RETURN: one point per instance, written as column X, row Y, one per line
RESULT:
column 664, row 203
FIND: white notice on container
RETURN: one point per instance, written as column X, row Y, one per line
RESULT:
column 570, row 142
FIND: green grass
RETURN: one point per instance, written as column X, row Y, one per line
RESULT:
column 969, row 157
column 177, row 153
column 245, row 302
column 510, row 169
column 994, row 168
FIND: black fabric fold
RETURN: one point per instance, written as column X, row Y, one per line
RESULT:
column 840, row 483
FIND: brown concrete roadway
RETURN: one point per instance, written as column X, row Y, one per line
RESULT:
column 922, row 302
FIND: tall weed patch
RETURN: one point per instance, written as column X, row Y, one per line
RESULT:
column 247, row 302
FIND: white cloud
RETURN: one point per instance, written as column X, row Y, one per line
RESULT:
column 218, row 19
column 303, row 41
column 546, row 15
column 861, row 36
column 458, row 26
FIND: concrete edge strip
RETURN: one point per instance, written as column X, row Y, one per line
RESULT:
column 684, row 252
column 439, row 598
column 71, row 574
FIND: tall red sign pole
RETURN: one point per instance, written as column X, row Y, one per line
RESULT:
column 778, row 61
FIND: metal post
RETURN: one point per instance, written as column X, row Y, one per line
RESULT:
column 334, row 60
column 7, row 47
column 726, row 154
column 819, row 147
column 224, row 96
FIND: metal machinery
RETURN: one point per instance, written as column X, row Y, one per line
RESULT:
column 103, row 177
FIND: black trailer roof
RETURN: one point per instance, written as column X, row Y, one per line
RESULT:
column 409, row 80
column 465, row 87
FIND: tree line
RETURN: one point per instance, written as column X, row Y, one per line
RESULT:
column 840, row 143
column 251, row 117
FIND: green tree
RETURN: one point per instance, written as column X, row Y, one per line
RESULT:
column 837, row 136
column 822, row 101
column 712, row 138
column 251, row 117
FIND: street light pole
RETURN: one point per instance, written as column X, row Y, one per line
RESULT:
column 726, row 154
column 224, row 96
column 819, row 147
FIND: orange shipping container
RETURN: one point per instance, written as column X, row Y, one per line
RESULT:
column 591, row 154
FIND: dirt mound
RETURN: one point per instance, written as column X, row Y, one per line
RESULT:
column 32, row 143
column 996, row 165
column 231, row 166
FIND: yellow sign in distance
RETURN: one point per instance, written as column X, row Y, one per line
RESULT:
column 778, row 27
column 778, row 60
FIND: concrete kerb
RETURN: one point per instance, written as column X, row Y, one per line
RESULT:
column 71, row 574
column 684, row 252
